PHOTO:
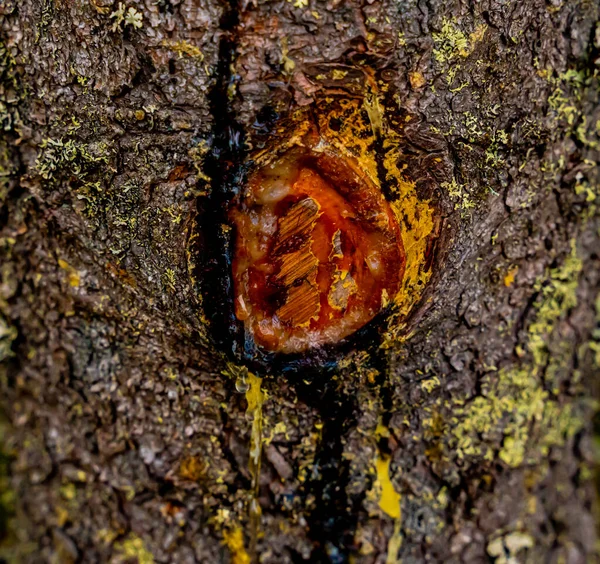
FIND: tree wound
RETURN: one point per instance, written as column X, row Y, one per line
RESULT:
column 318, row 252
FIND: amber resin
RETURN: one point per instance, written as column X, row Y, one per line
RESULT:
column 318, row 251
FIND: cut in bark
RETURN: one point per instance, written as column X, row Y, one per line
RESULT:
column 457, row 426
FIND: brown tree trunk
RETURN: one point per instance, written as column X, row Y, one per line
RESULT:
column 466, row 437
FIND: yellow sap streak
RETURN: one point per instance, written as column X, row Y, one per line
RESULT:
column 389, row 500
column 234, row 539
column 382, row 431
column 394, row 544
column 255, row 397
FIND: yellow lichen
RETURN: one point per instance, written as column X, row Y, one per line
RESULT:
column 234, row 539
column 452, row 43
column 132, row 548
column 416, row 79
column 72, row 274
column 504, row 549
column 288, row 64
column 123, row 17
column 459, row 195
column 430, row 384
column 57, row 155
column 193, row 468
column 557, row 295
column 338, row 74
column 105, row 536
column 510, row 276
column 183, row 48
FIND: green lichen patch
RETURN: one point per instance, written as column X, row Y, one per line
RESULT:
column 123, row 17
column 57, row 156
column 569, row 91
column 459, row 195
column 132, row 548
column 557, row 295
column 515, row 409
column 452, row 43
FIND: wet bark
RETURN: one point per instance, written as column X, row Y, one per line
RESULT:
column 123, row 434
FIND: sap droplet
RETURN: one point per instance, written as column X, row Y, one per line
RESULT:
column 241, row 385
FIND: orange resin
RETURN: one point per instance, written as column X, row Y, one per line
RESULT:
column 318, row 252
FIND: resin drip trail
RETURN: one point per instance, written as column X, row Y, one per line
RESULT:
column 255, row 397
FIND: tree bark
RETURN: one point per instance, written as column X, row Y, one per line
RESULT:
column 466, row 437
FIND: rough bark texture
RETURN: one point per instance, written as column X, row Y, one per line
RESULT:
column 124, row 436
